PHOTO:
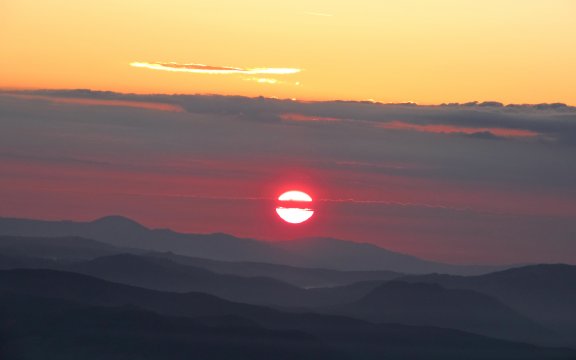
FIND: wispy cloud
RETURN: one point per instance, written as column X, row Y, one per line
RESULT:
column 215, row 70
column 451, row 129
column 263, row 80
column 148, row 105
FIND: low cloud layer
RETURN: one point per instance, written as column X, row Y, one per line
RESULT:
column 454, row 182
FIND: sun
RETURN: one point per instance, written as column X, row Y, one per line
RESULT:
column 294, row 207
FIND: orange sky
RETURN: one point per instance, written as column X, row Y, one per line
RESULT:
column 514, row 51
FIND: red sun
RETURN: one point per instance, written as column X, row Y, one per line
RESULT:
column 294, row 207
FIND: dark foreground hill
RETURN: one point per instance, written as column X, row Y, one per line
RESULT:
column 58, row 315
column 314, row 252
column 432, row 305
column 546, row 293
column 53, row 329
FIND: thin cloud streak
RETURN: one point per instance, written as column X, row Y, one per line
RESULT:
column 263, row 80
column 412, row 204
column 451, row 129
column 213, row 70
column 148, row 105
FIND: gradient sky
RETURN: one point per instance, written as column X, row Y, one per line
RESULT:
column 310, row 95
column 513, row 51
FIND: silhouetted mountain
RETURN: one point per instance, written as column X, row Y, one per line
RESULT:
column 57, row 248
column 298, row 276
column 49, row 252
column 60, row 326
column 546, row 293
column 316, row 252
column 120, row 224
column 432, row 305
column 8, row 262
column 124, row 232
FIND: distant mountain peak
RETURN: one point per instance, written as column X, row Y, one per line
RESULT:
column 117, row 221
column 532, row 272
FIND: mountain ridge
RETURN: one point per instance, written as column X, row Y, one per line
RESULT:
column 316, row 252
column 55, row 252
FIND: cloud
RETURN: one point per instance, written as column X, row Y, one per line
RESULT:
column 364, row 132
column 450, row 129
column 264, row 80
column 214, row 70
column 159, row 106
column 546, row 122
